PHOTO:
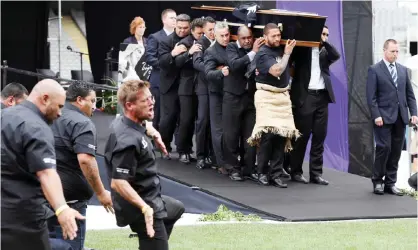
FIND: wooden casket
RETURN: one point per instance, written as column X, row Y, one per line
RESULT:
column 305, row 28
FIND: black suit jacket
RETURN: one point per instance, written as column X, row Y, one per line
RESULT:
column 215, row 56
column 199, row 65
column 169, row 74
column 187, row 72
column 384, row 98
column 302, row 58
column 151, row 55
column 238, row 62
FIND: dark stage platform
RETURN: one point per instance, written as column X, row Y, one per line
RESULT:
column 202, row 191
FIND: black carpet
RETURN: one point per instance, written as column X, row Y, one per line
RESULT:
column 347, row 197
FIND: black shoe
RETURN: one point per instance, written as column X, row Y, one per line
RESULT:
column 184, row 158
column 318, row 180
column 200, row 164
column 191, row 158
column 236, row 176
column 208, row 161
column 299, row 178
column 278, row 183
column 378, row 188
column 263, row 179
column 252, row 177
column 166, row 157
column 393, row 190
column 284, row 174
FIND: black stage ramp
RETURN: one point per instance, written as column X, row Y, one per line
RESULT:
column 347, row 197
column 202, row 191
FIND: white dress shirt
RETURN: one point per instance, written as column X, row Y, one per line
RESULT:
column 316, row 81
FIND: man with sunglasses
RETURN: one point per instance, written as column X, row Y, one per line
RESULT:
column 311, row 91
column 75, row 147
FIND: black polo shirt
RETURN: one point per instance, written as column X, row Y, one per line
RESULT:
column 27, row 146
column 265, row 58
column 74, row 133
column 129, row 155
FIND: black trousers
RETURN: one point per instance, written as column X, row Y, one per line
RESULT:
column 23, row 238
column 215, row 110
column 162, row 227
column 238, row 119
column 184, row 139
column 310, row 118
column 271, row 149
column 203, row 135
column 156, row 121
column 170, row 109
column 389, row 142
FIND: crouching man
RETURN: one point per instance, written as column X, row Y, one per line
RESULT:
column 131, row 164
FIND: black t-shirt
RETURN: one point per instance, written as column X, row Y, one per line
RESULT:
column 265, row 58
column 74, row 133
column 27, row 146
column 129, row 156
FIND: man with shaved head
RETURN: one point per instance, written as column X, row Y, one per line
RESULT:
column 28, row 171
column 238, row 111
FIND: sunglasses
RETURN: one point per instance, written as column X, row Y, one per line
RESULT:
column 325, row 34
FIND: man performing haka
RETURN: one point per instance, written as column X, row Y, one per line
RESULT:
column 131, row 164
column 274, row 127
column 28, row 174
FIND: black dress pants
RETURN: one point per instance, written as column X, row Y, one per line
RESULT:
column 310, row 118
column 238, row 119
column 389, row 141
column 203, row 135
column 24, row 236
column 156, row 121
column 170, row 109
column 271, row 149
column 184, row 139
column 215, row 110
column 162, row 227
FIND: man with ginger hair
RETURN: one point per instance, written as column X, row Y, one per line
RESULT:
column 28, row 171
column 131, row 164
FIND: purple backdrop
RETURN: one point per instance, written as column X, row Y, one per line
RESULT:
column 336, row 144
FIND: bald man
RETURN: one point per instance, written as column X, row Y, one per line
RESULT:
column 238, row 110
column 28, row 171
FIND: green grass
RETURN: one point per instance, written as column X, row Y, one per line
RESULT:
column 387, row 234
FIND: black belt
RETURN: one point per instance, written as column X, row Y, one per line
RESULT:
column 316, row 91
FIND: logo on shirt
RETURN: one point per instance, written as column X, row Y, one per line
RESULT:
column 122, row 170
column 91, row 146
column 49, row 161
column 144, row 143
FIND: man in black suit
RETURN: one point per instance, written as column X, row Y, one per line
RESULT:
column 203, row 138
column 216, row 69
column 238, row 110
column 389, row 96
column 187, row 97
column 168, row 17
column 169, row 79
column 311, row 91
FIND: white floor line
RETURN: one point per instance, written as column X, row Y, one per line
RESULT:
column 99, row 219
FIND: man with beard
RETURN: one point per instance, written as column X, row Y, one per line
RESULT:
column 75, row 147
column 203, row 135
column 28, row 174
column 311, row 92
column 216, row 69
column 169, row 81
column 131, row 164
column 238, row 111
column 274, row 126
column 13, row 94
column 168, row 17
column 186, row 93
